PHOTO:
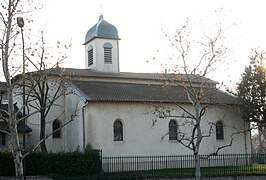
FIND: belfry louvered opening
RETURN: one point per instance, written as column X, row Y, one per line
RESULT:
column 107, row 53
column 90, row 55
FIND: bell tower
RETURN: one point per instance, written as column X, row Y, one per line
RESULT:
column 102, row 47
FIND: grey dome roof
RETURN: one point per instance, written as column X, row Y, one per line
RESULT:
column 102, row 29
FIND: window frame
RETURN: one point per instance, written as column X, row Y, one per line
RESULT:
column 173, row 130
column 219, row 130
column 118, row 131
column 55, row 126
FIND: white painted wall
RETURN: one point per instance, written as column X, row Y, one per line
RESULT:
column 58, row 111
column 68, row 109
column 74, row 131
column 141, row 138
column 98, row 55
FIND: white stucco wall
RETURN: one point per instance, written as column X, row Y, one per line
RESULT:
column 141, row 138
column 74, row 130
column 98, row 56
column 67, row 105
column 56, row 112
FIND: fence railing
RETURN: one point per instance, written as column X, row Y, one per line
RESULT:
column 183, row 165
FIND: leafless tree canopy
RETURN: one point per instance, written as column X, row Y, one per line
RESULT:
column 193, row 59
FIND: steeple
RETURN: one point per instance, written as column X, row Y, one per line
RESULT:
column 102, row 47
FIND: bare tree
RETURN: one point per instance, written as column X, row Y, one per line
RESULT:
column 194, row 61
column 41, row 93
column 10, row 50
column 8, row 37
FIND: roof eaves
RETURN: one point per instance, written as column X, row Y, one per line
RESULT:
column 77, row 91
column 100, row 37
column 157, row 101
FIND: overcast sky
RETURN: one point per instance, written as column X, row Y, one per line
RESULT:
column 139, row 24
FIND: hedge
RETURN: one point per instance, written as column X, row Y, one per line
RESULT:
column 7, row 167
column 62, row 163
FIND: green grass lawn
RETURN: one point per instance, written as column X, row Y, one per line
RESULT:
column 186, row 172
column 209, row 171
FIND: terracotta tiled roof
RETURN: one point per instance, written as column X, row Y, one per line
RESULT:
column 129, row 92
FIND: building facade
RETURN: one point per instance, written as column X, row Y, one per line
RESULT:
column 135, row 113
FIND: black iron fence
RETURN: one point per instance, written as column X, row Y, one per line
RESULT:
column 183, row 165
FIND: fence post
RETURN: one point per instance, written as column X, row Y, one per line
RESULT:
column 166, row 162
column 237, row 164
column 181, row 162
column 224, row 164
column 209, row 161
column 101, row 159
column 137, row 163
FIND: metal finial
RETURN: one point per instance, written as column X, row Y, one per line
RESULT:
column 101, row 17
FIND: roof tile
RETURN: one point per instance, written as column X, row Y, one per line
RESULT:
column 129, row 92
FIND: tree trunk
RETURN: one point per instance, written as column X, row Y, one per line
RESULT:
column 17, row 156
column 42, row 133
column 198, row 142
column 197, row 166
column 196, row 154
column 6, row 53
column 14, row 140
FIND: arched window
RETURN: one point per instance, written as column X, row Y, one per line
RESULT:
column 172, row 130
column 219, row 130
column 2, row 139
column 118, row 131
column 56, row 129
column 107, row 52
column 90, row 55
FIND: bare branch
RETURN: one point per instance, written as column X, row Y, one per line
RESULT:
column 50, row 134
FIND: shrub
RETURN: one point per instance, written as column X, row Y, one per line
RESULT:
column 61, row 163
column 7, row 167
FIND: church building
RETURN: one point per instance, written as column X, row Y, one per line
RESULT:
column 126, row 114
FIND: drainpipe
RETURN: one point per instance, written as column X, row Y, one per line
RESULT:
column 83, row 127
